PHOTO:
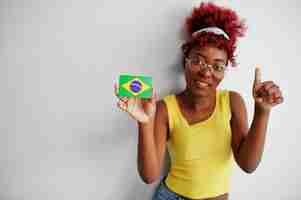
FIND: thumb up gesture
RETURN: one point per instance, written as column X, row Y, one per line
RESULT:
column 266, row 94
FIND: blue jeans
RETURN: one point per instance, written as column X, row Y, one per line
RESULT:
column 163, row 193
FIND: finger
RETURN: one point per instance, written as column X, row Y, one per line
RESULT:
column 259, row 99
column 262, row 88
column 131, row 104
column 277, row 101
column 274, row 98
column 129, row 108
column 124, row 99
column 154, row 96
column 265, row 84
column 273, row 89
column 258, row 87
column 278, row 98
column 270, row 99
column 277, row 94
column 122, row 106
column 257, row 79
column 259, row 91
column 116, row 89
column 267, row 97
column 268, row 85
column 153, row 92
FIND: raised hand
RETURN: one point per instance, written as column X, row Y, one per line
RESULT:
column 141, row 110
column 266, row 94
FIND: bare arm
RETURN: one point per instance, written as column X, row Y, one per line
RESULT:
column 151, row 117
column 247, row 144
column 151, row 144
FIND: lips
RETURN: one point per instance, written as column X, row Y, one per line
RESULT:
column 201, row 84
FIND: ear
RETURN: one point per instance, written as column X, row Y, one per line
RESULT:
column 185, row 48
column 184, row 62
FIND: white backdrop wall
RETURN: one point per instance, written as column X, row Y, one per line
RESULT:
column 62, row 136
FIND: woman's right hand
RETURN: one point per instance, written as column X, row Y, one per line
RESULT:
column 142, row 110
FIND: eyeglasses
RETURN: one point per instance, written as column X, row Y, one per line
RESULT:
column 196, row 62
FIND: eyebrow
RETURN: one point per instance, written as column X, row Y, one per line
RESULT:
column 215, row 60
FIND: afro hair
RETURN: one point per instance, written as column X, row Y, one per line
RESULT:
column 211, row 15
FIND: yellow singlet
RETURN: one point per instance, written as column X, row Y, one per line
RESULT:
column 201, row 154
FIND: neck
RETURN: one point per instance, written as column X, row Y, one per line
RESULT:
column 199, row 102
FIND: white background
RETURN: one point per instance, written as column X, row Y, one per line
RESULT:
column 62, row 136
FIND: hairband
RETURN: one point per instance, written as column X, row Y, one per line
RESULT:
column 214, row 30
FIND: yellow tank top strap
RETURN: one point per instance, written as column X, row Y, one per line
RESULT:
column 171, row 105
column 225, row 103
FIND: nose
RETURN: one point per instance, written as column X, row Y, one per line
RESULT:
column 206, row 72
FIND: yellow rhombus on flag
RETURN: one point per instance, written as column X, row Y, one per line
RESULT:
column 135, row 86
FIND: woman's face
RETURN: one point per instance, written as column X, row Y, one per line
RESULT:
column 204, row 69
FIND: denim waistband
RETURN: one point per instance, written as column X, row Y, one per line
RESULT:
column 164, row 193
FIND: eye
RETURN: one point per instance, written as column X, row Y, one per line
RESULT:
column 195, row 60
column 219, row 67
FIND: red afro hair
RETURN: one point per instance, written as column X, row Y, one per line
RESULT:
column 211, row 15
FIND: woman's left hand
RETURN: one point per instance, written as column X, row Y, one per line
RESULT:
column 266, row 94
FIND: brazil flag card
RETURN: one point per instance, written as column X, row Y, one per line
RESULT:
column 135, row 86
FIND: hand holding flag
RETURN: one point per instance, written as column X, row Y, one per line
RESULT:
column 136, row 97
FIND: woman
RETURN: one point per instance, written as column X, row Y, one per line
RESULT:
column 205, row 129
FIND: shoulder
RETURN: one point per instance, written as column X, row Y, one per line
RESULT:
column 162, row 119
column 166, row 110
column 164, row 103
column 161, row 105
column 162, row 108
column 236, row 101
column 234, row 96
